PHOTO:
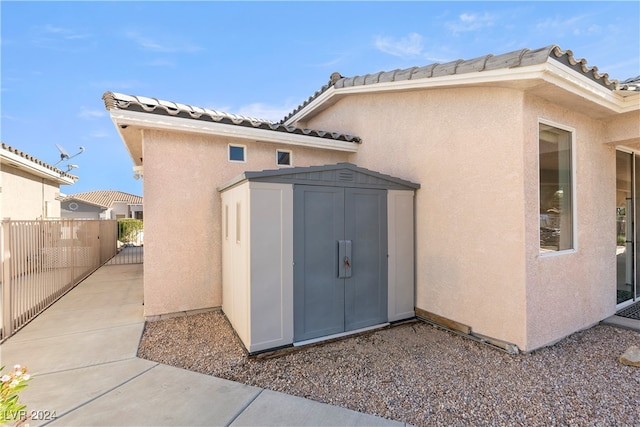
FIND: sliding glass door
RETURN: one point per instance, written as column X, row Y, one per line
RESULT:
column 627, row 233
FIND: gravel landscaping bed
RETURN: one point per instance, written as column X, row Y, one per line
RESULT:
column 423, row 375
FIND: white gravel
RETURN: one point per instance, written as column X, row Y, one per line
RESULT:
column 423, row 375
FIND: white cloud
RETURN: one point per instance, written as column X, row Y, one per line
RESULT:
column 409, row 46
column 99, row 134
column 165, row 46
column 116, row 85
column 88, row 114
column 560, row 26
column 471, row 22
column 161, row 63
column 265, row 111
column 11, row 118
column 65, row 33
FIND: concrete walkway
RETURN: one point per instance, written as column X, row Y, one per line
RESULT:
column 81, row 353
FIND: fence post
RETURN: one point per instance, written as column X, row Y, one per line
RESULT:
column 74, row 234
column 7, row 312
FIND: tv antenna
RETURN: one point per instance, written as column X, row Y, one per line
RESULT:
column 65, row 156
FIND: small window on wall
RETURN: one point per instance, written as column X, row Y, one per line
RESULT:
column 237, row 153
column 556, row 189
column 283, row 158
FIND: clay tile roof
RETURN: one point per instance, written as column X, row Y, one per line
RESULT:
column 518, row 58
column 118, row 101
column 631, row 84
column 105, row 198
column 36, row 161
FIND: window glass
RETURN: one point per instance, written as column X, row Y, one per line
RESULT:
column 283, row 158
column 236, row 153
column 556, row 189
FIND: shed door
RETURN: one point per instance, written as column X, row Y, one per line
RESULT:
column 340, row 256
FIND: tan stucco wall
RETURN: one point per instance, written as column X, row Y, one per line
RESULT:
column 182, row 213
column 624, row 129
column 25, row 197
column 574, row 290
column 465, row 149
column 475, row 153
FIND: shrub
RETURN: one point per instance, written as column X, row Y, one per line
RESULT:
column 128, row 229
column 10, row 386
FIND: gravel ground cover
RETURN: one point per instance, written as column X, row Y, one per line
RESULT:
column 423, row 375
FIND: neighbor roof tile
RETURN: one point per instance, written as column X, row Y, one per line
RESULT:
column 36, row 161
column 105, row 198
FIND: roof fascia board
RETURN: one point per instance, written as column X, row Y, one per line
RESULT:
column 36, row 169
column 550, row 71
column 154, row 121
column 558, row 74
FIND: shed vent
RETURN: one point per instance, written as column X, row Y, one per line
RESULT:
column 345, row 176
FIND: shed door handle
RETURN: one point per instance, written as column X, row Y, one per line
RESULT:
column 344, row 259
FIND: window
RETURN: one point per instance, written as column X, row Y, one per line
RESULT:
column 283, row 158
column 556, row 189
column 237, row 153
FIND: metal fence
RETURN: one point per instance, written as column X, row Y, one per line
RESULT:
column 42, row 260
column 130, row 243
column 128, row 254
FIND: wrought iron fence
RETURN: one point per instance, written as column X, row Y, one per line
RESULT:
column 130, row 242
column 42, row 260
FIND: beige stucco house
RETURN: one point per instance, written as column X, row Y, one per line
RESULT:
column 102, row 204
column 29, row 187
column 523, row 168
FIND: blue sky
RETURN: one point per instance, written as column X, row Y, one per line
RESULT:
column 260, row 59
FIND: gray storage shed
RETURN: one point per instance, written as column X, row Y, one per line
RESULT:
column 312, row 253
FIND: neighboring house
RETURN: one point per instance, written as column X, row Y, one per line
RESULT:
column 526, row 164
column 29, row 188
column 102, row 204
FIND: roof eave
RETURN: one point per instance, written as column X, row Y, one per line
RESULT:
column 86, row 202
column 161, row 122
column 137, row 161
column 56, row 176
column 565, row 78
column 550, row 71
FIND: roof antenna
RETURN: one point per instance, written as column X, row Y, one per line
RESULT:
column 65, row 156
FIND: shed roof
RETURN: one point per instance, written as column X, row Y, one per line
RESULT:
column 337, row 175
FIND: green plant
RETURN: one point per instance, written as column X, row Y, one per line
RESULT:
column 10, row 386
column 128, row 229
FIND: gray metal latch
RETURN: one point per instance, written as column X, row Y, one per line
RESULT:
column 344, row 259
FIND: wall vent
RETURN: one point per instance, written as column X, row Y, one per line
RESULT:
column 345, row 176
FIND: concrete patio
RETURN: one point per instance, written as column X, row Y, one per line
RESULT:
column 81, row 353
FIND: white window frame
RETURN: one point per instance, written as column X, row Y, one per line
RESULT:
column 278, row 150
column 574, row 191
column 244, row 152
